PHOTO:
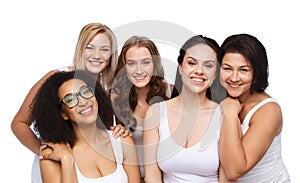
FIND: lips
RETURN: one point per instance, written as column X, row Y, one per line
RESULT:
column 233, row 85
column 198, row 80
column 96, row 63
column 140, row 77
column 86, row 110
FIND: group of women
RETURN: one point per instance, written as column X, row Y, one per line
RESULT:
column 111, row 118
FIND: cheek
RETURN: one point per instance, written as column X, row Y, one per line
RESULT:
column 107, row 56
column 150, row 70
column 130, row 71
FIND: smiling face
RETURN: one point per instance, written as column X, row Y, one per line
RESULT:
column 86, row 111
column 198, row 68
column 97, row 53
column 236, row 74
column 139, row 66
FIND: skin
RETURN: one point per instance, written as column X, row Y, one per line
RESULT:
column 94, row 59
column 198, row 72
column 139, row 68
column 238, row 153
column 92, row 153
column 97, row 54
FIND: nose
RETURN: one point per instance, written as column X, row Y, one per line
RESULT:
column 139, row 68
column 97, row 54
column 82, row 101
column 235, row 76
column 199, row 69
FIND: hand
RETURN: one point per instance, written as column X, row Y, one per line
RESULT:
column 55, row 151
column 231, row 106
column 119, row 130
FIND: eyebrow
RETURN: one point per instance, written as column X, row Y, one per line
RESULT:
column 105, row 46
column 190, row 57
column 143, row 59
column 239, row 67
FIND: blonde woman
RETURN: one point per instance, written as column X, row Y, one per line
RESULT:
column 95, row 52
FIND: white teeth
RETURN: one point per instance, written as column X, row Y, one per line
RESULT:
column 86, row 110
column 139, row 77
column 198, row 80
column 95, row 63
column 234, row 85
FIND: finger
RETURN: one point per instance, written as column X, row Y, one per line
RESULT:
column 42, row 147
column 119, row 132
column 45, row 157
column 116, row 129
column 126, row 133
column 112, row 128
column 48, row 144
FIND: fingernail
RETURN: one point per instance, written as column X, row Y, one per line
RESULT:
column 40, row 157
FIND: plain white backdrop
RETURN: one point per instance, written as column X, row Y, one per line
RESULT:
column 38, row 36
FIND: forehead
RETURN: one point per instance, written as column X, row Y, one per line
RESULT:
column 100, row 39
column 70, row 86
column 136, row 52
column 201, row 52
column 235, row 59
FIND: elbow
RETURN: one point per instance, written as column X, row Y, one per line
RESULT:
column 233, row 175
column 13, row 126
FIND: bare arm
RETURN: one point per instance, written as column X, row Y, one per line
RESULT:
column 239, row 154
column 222, row 176
column 23, row 119
column 57, row 164
column 150, row 144
column 131, row 163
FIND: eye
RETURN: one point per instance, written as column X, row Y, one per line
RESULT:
column 244, row 70
column 89, row 48
column 85, row 91
column 131, row 63
column 105, row 50
column 192, row 63
column 226, row 68
column 147, row 62
column 69, row 98
column 208, row 65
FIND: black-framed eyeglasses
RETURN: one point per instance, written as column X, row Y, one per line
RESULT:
column 71, row 99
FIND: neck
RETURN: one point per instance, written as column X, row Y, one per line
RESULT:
column 191, row 99
column 87, row 133
column 141, row 94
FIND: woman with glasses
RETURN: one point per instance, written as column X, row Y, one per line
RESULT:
column 96, row 53
column 76, row 145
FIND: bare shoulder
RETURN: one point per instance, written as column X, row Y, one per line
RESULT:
column 128, row 140
column 268, row 116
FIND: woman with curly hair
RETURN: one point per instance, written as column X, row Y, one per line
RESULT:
column 95, row 52
column 72, row 115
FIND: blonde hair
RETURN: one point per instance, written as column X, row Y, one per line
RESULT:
column 86, row 35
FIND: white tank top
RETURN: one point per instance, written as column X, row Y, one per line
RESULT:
column 271, row 167
column 119, row 175
column 198, row 163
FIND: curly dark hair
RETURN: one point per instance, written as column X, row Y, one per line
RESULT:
column 46, row 112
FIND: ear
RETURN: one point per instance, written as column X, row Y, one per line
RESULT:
column 180, row 69
column 64, row 115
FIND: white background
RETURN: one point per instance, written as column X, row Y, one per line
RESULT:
column 38, row 36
